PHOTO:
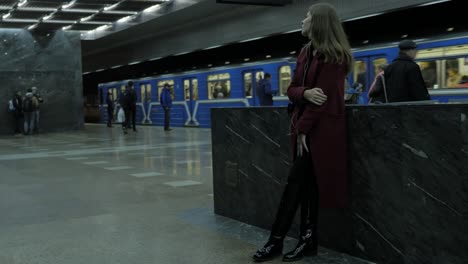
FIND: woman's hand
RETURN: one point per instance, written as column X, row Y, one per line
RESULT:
column 315, row 96
column 301, row 145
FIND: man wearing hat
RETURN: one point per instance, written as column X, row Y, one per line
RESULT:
column 403, row 78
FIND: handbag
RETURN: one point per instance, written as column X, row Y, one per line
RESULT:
column 121, row 116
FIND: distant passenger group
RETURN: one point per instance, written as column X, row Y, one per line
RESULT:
column 26, row 111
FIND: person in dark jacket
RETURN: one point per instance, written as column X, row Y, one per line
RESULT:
column 264, row 92
column 403, row 78
column 18, row 113
column 166, row 103
column 110, row 108
column 126, row 104
column 133, row 105
column 378, row 92
column 318, row 134
column 30, row 105
column 37, row 110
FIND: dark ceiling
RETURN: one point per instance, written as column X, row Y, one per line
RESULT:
column 416, row 22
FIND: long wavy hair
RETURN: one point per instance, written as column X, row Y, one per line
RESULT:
column 327, row 35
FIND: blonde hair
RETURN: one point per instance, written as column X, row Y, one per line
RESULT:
column 327, row 35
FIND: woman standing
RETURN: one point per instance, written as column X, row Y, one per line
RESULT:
column 318, row 129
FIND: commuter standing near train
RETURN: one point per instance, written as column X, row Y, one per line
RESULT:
column 318, row 133
column 264, row 92
column 110, row 108
column 126, row 104
column 403, row 78
column 166, row 103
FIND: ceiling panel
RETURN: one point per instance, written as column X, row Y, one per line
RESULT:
column 81, row 15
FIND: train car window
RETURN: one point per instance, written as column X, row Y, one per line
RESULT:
column 142, row 93
column 219, row 86
column 248, row 84
column 148, row 93
column 284, row 79
column 429, row 73
column 161, row 86
column 447, row 65
column 194, row 89
column 122, row 88
column 114, row 94
column 377, row 62
column 187, row 89
column 360, row 73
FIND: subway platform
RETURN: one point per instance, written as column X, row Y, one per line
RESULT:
column 98, row 196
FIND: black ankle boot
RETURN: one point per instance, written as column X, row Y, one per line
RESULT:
column 307, row 246
column 272, row 249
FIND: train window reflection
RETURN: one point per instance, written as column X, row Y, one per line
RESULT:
column 219, row 86
column 284, row 79
column 360, row 73
column 429, row 73
column 161, row 86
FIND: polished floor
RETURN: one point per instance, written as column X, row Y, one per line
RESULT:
column 99, row 197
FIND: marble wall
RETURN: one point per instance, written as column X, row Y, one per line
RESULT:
column 52, row 63
column 408, row 169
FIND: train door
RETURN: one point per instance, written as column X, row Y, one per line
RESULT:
column 191, row 92
column 364, row 71
column 251, row 80
column 145, row 98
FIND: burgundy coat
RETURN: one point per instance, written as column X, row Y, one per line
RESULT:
column 325, row 126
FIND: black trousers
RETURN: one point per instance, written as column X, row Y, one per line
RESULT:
column 110, row 116
column 167, row 117
column 128, row 114
column 18, row 122
column 302, row 190
column 133, row 116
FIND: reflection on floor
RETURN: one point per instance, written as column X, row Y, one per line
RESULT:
column 100, row 197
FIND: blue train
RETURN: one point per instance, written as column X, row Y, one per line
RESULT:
column 443, row 62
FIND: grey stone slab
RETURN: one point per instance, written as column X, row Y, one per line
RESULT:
column 407, row 169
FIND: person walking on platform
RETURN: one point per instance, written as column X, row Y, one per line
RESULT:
column 318, row 134
column 126, row 105
column 166, row 102
column 110, row 108
column 403, row 78
column 264, row 92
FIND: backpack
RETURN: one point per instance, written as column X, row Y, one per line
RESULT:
column 11, row 106
column 28, row 105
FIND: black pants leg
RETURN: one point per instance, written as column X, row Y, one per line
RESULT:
column 110, row 116
column 167, row 117
column 126, row 123
column 134, row 119
column 301, row 189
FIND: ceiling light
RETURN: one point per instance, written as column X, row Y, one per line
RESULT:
column 7, row 16
column 124, row 19
column 67, row 27
column 87, row 18
column 404, row 36
column 362, row 17
column 102, row 27
column 227, row 62
column 70, row 4
column 32, row 26
column 210, row 65
column 246, row 59
column 292, row 52
column 434, row 2
column 450, row 29
column 268, row 56
column 112, row 6
column 22, row 3
column 252, row 39
column 152, row 8
column 47, row 17
column 365, row 41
